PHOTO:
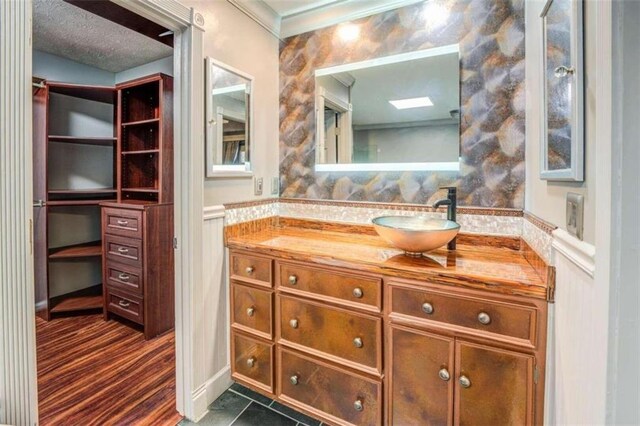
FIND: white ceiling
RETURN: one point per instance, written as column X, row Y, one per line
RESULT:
column 65, row 30
column 286, row 8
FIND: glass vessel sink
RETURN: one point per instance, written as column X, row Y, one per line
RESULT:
column 415, row 235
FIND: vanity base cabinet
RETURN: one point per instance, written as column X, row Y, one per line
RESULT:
column 138, row 265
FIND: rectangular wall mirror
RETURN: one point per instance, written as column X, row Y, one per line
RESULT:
column 399, row 112
column 228, row 121
column 562, row 156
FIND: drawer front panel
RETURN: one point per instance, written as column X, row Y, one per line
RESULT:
column 123, row 250
column 124, row 277
column 349, row 290
column 332, row 332
column 123, row 222
column 252, row 310
column 319, row 387
column 127, row 306
column 478, row 314
column 255, row 270
column 252, row 361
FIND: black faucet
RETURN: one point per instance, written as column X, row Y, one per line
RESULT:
column 451, row 202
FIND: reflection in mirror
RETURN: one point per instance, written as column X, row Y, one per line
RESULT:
column 228, row 120
column 398, row 112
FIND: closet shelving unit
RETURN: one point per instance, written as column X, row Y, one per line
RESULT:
column 74, row 142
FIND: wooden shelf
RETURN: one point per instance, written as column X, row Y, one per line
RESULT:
column 61, row 203
column 76, row 195
column 140, row 190
column 76, row 251
column 84, row 140
column 82, row 300
column 140, row 122
column 103, row 94
column 141, row 151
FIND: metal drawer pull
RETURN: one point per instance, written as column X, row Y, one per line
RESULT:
column 293, row 323
column 293, row 280
column 251, row 362
column 124, row 304
column 357, row 342
column 123, row 250
column 357, row 292
column 444, row 374
column 358, row 405
column 427, row 308
column 249, row 270
column 464, row 381
column 251, row 311
column 484, row 318
column 123, row 222
column 294, row 379
column 124, row 277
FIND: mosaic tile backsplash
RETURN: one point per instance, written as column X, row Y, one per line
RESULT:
column 492, row 89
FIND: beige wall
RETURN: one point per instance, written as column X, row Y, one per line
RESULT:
column 235, row 39
column 543, row 198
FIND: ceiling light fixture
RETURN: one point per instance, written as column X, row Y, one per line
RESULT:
column 348, row 31
column 412, row 103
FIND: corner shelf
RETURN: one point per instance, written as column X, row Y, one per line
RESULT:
column 84, row 140
column 62, row 203
column 81, row 300
column 76, row 251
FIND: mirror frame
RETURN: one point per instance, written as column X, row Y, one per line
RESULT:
column 576, row 172
column 321, row 98
column 213, row 170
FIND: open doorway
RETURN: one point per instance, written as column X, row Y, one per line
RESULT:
column 103, row 215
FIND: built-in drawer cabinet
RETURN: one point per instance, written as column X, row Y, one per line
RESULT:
column 251, row 269
column 123, row 250
column 252, row 361
column 340, row 335
column 327, row 390
column 126, row 223
column 252, row 310
column 125, row 305
column 124, row 277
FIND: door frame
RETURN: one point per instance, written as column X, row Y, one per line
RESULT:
column 18, row 373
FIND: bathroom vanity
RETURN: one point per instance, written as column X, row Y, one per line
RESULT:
column 335, row 323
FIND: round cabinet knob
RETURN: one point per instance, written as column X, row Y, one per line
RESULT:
column 444, row 374
column 251, row 311
column 293, row 323
column 358, row 405
column 464, row 382
column 357, row 292
column 249, row 270
column 294, row 379
column 293, row 280
column 357, row 342
column 427, row 308
column 251, row 362
column 484, row 318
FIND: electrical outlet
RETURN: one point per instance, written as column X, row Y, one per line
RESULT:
column 575, row 215
column 275, row 185
column 257, row 186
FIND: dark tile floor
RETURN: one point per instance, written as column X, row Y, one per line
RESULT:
column 240, row 406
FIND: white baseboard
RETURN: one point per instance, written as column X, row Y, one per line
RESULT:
column 39, row 307
column 209, row 392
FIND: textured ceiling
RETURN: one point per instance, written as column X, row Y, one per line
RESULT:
column 65, row 30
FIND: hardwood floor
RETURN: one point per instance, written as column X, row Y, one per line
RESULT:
column 92, row 372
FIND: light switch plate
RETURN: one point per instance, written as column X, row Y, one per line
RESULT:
column 275, row 185
column 257, row 186
column 575, row 215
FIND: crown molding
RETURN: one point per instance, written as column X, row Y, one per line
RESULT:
column 261, row 13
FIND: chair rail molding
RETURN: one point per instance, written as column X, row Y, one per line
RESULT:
column 582, row 254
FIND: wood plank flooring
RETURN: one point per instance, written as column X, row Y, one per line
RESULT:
column 92, row 372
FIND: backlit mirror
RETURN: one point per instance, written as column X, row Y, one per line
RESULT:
column 228, row 120
column 399, row 112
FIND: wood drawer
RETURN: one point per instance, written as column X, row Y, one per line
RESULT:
column 251, row 269
column 340, row 396
column 335, row 333
column 126, row 306
column 504, row 318
column 251, row 310
column 346, row 289
column 124, row 250
column 252, row 361
column 123, row 277
column 122, row 222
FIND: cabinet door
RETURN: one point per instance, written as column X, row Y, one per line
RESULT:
column 421, row 378
column 493, row 386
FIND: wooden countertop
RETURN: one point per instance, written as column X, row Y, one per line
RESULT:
column 497, row 269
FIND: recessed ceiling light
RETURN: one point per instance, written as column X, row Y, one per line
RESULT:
column 412, row 103
column 348, row 31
